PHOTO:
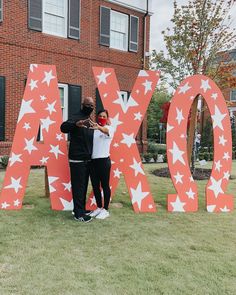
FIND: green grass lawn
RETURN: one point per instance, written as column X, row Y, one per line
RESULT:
column 47, row 252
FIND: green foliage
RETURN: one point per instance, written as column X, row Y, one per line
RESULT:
column 200, row 31
column 4, row 161
column 152, row 147
column 207, row 135
column 147, row 157
column 154, row 114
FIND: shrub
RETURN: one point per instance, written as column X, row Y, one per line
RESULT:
column 152, row 148
column 155, row 157
column 4, row 161
column 165, row 158
column 147, row 157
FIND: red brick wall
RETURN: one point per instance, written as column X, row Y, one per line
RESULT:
column 20, row 46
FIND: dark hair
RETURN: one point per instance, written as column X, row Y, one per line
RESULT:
column 103, row 111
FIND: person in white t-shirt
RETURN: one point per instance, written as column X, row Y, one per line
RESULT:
column 101, row 163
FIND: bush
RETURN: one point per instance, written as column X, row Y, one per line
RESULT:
column 4, row 161
column 162, row 150
column 155, row 157
column 147, row 157
column 152, row 148
column 211, row 156
column 165, row 158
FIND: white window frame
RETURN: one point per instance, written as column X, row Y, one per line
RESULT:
column 44, row 30
column 65, row 107
column 231, row 95
column 126, row 33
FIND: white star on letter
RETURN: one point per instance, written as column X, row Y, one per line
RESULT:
column 102, row 78
column 214, row 96
column 55, row 150
column 46, row 123
column 32, row 66
column 148, row 86
column 128, row 139
column 26, row 126
column 16, row 203
column 67, row 205
column 178, row 178
column 14, row 158
column 225, row 209
column 48, row 77
column 190, row 194
column 67, row 186
column 169, row 128
column 25, row 109
column 226, row 156
column 52, row 179
column 184, row 89
column 217, row 118
column 216, row 186
column 117, row 173
column 5, row 205
column 115, row 121
column 218, row 165
column 177, row 154
column 138, row 195
column 15, row 184
column 59, row 137
column 44, row 160
column 51, row 108
column 138, row 116
column 137, row 167
column 226, row 175
column 179, row 117
column 33, row 84
column 125, row 105
column 222, row 140
column 178, row 206
column 205, row 85
column 29, row 145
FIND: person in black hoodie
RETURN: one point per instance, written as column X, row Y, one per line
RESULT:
column 80, row 151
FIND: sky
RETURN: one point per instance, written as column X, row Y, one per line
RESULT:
column 160, row 20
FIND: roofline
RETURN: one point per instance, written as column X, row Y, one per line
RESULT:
column 130, row 6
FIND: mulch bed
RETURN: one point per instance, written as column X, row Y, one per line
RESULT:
column 199, row 174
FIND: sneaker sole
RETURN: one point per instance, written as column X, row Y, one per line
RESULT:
column 82, row 220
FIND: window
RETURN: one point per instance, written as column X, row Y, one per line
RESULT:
column 118, row 30
column 2, row 108
column 1, row 15
column 233, row 95
column 55, row 17
column 63, row 89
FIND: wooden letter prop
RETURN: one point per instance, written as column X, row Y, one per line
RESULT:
column 40, row 107
column 126, row 117
column 186, row 199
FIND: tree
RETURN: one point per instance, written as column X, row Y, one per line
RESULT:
column 154, row 113
column 201, row 29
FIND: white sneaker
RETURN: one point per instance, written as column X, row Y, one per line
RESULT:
column 95, row 212
column 103, row 214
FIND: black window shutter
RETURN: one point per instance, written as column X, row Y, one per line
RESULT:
column 35, row 15
column 105, row 26
column 133, row 33
column 74, row 100
column 99, row 104
column 1, row 15
column 74, row 19
column 2, row 108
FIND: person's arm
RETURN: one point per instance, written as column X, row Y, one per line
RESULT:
column 70, row 125
column 96, row 126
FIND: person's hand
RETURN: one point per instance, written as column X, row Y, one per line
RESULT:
column 83, row 123
column 93, row 125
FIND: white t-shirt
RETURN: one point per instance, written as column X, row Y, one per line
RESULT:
column 102, row 142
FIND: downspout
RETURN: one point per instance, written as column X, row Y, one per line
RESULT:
column 143, row 132
column 145, row 34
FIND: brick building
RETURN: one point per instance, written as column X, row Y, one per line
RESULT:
column 74, row 35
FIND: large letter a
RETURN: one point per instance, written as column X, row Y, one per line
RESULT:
column 40, row 106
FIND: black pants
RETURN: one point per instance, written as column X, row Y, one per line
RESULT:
column 100, row 176
column 79, row 182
